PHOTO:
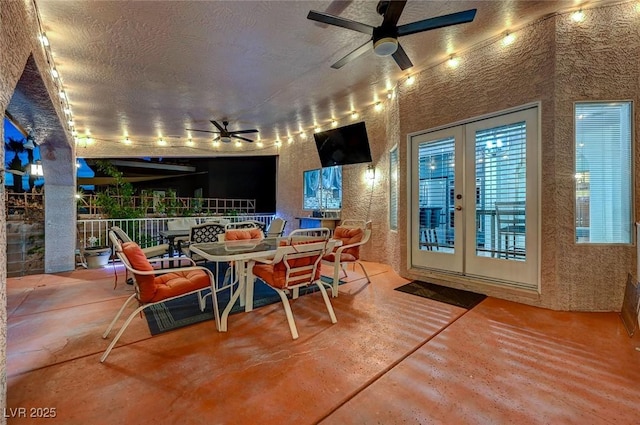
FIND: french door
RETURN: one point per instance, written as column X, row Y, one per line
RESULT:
column 474, row 199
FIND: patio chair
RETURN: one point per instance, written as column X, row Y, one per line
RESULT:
column 202, row 233
column 352, row 234
column 150, row 252
column 316, row 233
column 243, row 225
column 276, row 228
column 294, row 266
column 247, row 224
column 154, row 286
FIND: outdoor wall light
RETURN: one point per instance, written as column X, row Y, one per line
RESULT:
column 371, row 173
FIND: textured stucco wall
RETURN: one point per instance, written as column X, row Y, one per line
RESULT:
column 14, row 40
column 553, row 62
column 361, row 199
column 597, row 60
column 27, row 92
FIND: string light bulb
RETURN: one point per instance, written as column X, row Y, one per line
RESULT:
column 453, row 61
column 577, row 16
column 508, row 38
column 378, row 106
column 354, row 115
column 411, row 79
column 334, row 123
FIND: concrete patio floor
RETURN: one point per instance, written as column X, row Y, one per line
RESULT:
column 392, row 358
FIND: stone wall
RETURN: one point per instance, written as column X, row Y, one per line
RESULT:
column 25, row 248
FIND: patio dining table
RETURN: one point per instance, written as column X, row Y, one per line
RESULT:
column 243, row 253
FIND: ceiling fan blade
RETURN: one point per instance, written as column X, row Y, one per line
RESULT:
column 351, row 56
column 325, row 18
column 202, row 131
column 437, row 22
column 401, row 58
column 243, row 131
column 218, row 126
column 392, row 15
column 242, row 138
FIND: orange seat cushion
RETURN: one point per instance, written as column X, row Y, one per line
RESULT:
column 177, row 283
column 154, row 288
column 242, row 234
column 276, row 274
column 331, row 257
column 348, row 236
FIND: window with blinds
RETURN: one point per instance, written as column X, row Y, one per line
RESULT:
column 501, row 191
column 603, row 172
column 393, row 188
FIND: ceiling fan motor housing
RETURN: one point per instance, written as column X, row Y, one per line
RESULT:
column 385, row 41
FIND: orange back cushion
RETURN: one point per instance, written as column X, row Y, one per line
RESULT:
column 276, row 274
column 242, row 234
column 146, row 283
column 348, row 236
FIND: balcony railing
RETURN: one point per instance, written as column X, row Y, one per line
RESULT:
column 30, row 206
column 176, row 206
column 146, row 231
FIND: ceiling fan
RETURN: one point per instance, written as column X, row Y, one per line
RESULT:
column 226, row 135
column 385, row 36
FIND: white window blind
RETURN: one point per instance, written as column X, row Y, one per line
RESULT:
column 501, row 190
column 393, row 189
column 603, row 172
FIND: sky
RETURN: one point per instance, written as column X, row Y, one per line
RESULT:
column 11, row 132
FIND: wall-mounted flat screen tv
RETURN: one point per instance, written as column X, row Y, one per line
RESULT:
column 344, row 145
column 322, row 189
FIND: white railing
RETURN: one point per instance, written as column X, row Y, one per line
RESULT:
column 146, row 231
column 174, row 205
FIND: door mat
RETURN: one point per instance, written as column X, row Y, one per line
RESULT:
column 457, row 297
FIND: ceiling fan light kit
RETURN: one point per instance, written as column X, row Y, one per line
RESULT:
column 385, row 46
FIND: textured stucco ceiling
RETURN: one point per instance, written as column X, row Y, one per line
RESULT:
column 154, row 68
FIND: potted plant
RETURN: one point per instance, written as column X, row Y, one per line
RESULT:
column 95, row 254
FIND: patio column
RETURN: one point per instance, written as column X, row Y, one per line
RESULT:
column 59, row 209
